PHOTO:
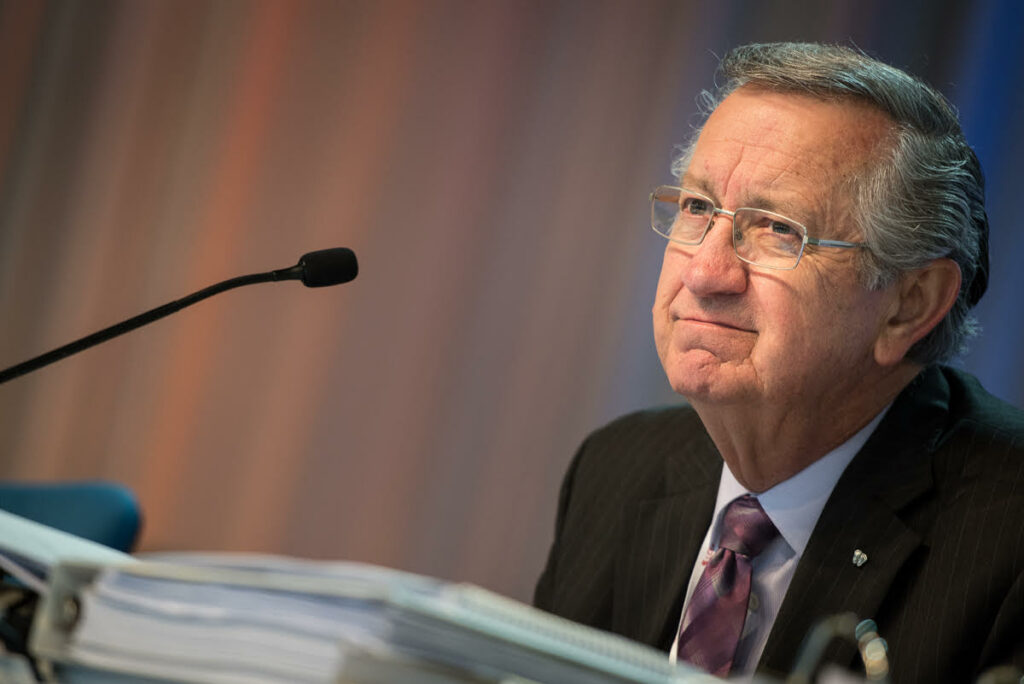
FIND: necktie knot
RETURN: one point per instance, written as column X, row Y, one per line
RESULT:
column 746, row 528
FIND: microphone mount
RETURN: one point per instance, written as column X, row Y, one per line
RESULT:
column 316, row 269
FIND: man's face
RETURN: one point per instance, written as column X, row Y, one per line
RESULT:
column 727, row 331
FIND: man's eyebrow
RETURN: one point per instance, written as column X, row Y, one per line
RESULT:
column 700, row 184
column 768, row 204
column 752, row 201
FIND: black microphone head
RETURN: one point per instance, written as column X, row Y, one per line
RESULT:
column 328, row 267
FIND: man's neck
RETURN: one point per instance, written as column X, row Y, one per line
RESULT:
column 766, row 444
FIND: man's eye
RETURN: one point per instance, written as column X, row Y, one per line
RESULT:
column 782, row 229
column 696, row 206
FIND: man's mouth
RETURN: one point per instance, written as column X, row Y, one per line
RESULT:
column 711, row 321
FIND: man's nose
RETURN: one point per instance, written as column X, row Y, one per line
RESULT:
column 713, row 268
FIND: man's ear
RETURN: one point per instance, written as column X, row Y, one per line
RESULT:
column 923, row 297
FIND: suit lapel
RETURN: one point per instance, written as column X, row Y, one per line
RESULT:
column 827, row 582
column 661, row 540
column 891, row 471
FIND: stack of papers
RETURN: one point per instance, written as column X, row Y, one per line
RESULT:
column 228, row 618
column 220, row 619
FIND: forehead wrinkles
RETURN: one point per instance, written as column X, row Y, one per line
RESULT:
column 791, row 148
column 744, row 173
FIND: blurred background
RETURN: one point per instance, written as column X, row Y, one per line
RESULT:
column 489, row 163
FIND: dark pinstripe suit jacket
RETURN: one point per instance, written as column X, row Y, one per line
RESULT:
column 935, row 499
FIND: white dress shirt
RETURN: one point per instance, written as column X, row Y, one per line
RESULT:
column 794, row 506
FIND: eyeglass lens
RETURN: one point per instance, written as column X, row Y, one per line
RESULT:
column 760, row 237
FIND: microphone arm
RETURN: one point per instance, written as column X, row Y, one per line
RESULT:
column 873, row 649
column 316, row 269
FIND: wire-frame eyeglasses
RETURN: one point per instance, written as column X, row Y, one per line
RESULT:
column 759, row 237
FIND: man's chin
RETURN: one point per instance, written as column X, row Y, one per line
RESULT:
column 702, row 377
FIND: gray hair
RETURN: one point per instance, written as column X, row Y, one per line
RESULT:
column 929, row 184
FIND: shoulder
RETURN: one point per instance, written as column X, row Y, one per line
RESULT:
column 946, row 410
column 972, row 407
column 641, row 455
column 982, row 437
column 654, row 427
column 646, row 438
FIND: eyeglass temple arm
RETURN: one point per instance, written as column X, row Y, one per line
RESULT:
column 834, row 243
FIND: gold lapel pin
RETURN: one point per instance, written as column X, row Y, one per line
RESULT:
column 859, row 558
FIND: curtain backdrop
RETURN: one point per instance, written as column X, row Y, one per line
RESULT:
column 489, row 163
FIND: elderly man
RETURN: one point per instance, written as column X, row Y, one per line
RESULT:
column 826, row 242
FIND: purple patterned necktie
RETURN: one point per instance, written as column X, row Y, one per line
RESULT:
column 713, row 621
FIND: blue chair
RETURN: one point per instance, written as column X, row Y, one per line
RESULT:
column 102, row 512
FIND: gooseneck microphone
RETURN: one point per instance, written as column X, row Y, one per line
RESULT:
column 316, row 269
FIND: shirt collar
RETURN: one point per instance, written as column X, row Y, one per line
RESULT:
column 794, row 505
